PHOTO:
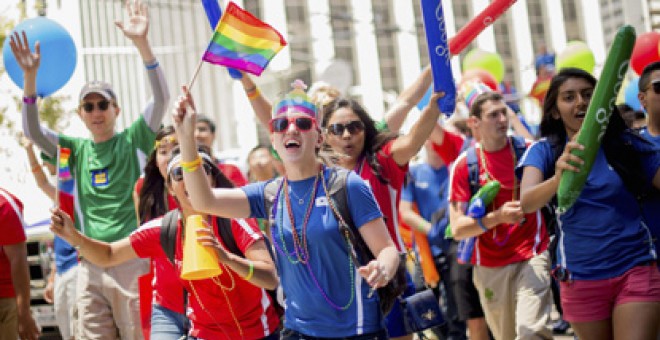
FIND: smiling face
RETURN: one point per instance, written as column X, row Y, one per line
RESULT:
column 572, row 103
column 347, row 143
column 101, row 123
column 295, row 143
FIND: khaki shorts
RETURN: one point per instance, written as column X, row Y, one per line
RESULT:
column 516, row 298
column 65, row 302
column 108, row 300
column 8, row 319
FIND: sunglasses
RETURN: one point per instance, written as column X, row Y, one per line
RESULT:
column 177, row 172
column 89, row 106
column 281, row 124
column 353, row 127
column 655, row 85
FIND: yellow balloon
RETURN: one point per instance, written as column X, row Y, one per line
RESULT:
column 576, row 54
column 487, row 61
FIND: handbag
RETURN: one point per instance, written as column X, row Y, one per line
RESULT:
column 421, row 311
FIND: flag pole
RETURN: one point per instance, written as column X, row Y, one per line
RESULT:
column 192, row 81
column 57, row 177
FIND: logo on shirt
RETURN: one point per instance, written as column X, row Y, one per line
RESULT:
column 422, row 185
column 321, row 201
column 100, row 177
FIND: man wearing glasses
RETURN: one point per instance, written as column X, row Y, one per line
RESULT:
column 649, row 97
column 105, row 169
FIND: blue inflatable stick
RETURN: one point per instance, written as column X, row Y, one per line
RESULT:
column 436, row 38
column 214, row 13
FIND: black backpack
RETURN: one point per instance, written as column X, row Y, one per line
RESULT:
column 338, row 197
column 168, row 242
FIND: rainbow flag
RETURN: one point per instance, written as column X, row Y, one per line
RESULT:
column 243, row 42
column 63, row 164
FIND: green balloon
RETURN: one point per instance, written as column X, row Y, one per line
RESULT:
column 487, row 61
column 598, row 116
column 576, row 54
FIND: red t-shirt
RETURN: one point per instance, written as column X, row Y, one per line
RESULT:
column 233, row 173
column 451, row 146
column 387, row 195
column 11, row 215
column 208, row 308
column 505, row 244
column 166, row 287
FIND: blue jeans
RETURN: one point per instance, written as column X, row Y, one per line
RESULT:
column 167, row 324
column 290, row 334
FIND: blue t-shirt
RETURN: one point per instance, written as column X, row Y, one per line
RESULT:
column 651, row 207
column 428, row 188
column 330, row 274
column 601, row 235
column 66, row 256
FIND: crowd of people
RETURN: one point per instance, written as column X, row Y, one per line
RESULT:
column 289, row 267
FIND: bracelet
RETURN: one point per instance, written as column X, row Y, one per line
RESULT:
column 250, row 271
column 152, row 66
column 481, row 224
column 36, row 168
column 252, row 89
column 192, row 165
column 30, row 99
column 254, row 94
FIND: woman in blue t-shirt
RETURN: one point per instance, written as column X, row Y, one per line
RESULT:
column 606, row 260
column 326, row 295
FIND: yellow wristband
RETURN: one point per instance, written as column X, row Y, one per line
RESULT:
column 254, row 94
column 192, row 165
column 250, row 271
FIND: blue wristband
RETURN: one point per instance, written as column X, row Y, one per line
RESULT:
column 152, row 66
column 481, row 224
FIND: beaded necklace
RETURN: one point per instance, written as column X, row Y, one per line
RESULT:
column 299, row 241
column 285, row 252
column 513, row 189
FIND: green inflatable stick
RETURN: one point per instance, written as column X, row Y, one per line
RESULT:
column 598, row 116
column 484, row 196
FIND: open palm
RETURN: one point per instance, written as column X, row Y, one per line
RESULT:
column 28, row 61
column 137, row 26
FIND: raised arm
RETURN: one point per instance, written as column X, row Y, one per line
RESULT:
column 232, row 203
column 29, row 62
column 407, row 146
column 261, row 106
column 136, row 30
column 100, row 253
column 410, row 96
column 412, row 218
column 518, row 126
column 37, row 171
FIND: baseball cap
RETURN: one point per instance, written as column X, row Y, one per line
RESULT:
column 100, row 87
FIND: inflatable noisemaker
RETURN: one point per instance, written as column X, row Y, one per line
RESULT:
column 597, row 117
column 199, row 262
column 476, row 209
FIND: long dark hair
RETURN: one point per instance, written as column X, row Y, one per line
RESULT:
column 553, row 128
column 153, row 202
column 373, row 139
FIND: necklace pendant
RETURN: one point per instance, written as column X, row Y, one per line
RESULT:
column 300, row 201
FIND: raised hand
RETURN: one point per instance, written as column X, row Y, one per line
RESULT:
column 184, row 114
column 137, row 26
column 28, row 61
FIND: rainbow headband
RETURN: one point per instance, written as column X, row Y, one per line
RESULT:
column 296, row 101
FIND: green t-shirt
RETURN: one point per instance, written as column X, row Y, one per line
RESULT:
column 105, row 174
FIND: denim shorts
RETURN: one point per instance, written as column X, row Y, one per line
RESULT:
column 167, row 324
column 290, row 334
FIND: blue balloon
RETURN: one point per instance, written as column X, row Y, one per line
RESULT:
column 630, row 95
column 58, row 54
column 425, row 100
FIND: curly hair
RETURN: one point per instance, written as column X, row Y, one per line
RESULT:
column 373, row 139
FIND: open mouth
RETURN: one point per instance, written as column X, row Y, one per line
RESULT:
column 291, row 144
column 580, row 115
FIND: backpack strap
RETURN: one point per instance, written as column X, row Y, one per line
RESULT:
column 168, row 233
column 519, row 146
column 225, row 233
column 271, row 192
column 337, row 187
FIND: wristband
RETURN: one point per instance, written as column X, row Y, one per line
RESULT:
column 481, row 224
column 254, row 94
column 152, row 66
column 250, row 271
column 192, row 165
column 250, row 90
column 30, row 100
column 35, row 168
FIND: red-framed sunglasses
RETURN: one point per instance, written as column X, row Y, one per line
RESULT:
column 281, row 124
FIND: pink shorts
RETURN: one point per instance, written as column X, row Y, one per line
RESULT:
column 594, row 300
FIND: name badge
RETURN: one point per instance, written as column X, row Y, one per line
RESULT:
column 321, row 201
column 100, row 178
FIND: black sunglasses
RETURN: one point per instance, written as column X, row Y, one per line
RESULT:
column 655, row 85
column 353, row 127
column 282, row 123
column 89, row 106
column 177, row 172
